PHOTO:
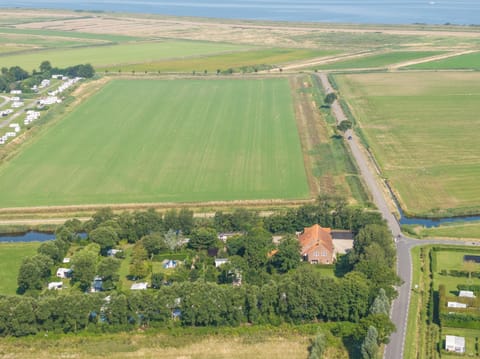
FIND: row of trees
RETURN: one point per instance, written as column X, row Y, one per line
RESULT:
column 298, row 297
column 17, row 78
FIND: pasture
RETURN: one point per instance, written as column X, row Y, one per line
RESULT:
column 11, row 256
column 378, row 60
column 139, row 141
column 234, row 60
column 462, row 62
column 124, row 53
column 419, row 127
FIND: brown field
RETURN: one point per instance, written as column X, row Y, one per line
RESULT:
column 125, row 346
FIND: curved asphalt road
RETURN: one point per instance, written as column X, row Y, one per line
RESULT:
column 399, row 310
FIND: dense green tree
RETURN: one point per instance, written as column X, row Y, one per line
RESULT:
column 157, row 280
column 381, row 303
column 105, row 237
column 45, row 66
column 369, row 348
column 154, row 243
column 203, row 238
column 84, row 263
column 107, row 269
column 330, row 98
column 139, row 267
column 288, row 256
column 318, row 346
column 34, row 272
column 345, row 125
column 51, row 250
column 186, row 221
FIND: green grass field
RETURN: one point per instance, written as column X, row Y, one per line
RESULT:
column 460, row 230
column 125, row 53
column 378, row 60
column 11, row 256
column 156, row 141
column 419, row 127
column 234, row 60
column 463, row 62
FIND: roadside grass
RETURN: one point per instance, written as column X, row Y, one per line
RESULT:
column 378, row 60
column 332, row 163
column 462, row 62
column 407, row 121
column 465, row 230
column 238, row 61
column 11, row 256
column 101, row 56
column 181, row 140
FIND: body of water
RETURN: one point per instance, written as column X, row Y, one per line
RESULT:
column 27, row 237
column 464, row 12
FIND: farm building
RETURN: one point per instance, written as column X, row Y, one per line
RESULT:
column 64, row 272
column 220, row 261
column 456, row 305
column 317, row 245
column 139, row 286
column 466, row 294
column 55, row 285
column 455, row 344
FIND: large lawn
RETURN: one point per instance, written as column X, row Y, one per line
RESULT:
column 125, row 53
column 156, row 141
column 468, row 61
column 421, row 129
column 11, row 256
column 379, row 60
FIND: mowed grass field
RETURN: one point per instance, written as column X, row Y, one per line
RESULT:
column 124, row 53
column 462, row 62
column 421, row 129
column 379, row 60
column 11, row 256
column 165, row 141
column 234, row 60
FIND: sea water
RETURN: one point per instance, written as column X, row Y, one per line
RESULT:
column 463, row 12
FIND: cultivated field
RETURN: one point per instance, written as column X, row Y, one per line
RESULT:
column 379, row 60
column 165, row 141
column 124, row 53
column 11, row 256
column 419, row 127
column 463, row 62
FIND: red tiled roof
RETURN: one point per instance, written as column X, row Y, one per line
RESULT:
column 315, row 236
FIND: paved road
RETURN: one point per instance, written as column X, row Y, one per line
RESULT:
column 399, row 313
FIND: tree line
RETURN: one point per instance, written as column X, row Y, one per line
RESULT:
column 262, row 282
column 16, row 78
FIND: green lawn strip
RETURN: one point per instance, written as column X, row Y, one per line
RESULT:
column 415, row 301
column 461, row 230
column 174, row 141
column 237, row 61
column 378, row 60
column 101, row 56
column 406, row 119
column 462, row 62
column 11, row 256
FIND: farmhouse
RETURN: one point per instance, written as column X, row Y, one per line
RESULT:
column 317, row 245
column 466, row 294
column 455, row 344
column 456, row 305
column 64, row 272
